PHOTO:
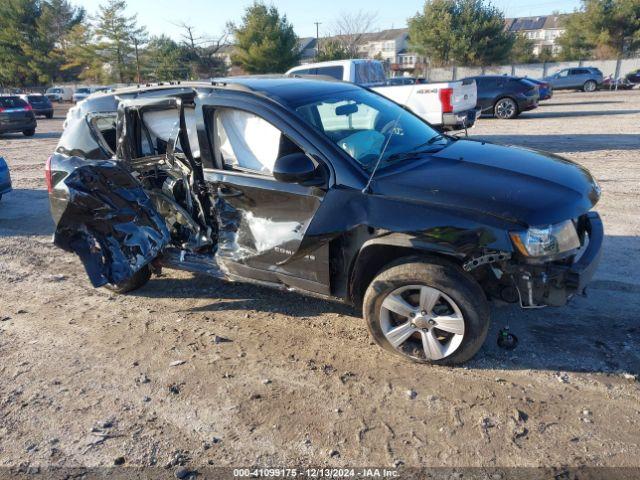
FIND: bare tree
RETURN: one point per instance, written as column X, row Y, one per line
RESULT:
column 350, row 30
column 203, row 51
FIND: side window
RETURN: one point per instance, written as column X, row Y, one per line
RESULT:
column 369, row 72
column 104, row 126
column 245, row 141
column 563, row 73
column 335, row 72
column 304, row 71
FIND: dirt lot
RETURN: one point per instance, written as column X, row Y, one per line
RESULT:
column 87, row 377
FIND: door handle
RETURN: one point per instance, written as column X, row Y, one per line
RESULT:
column 226, row 192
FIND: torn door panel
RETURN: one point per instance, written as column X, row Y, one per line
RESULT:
column 110, row 222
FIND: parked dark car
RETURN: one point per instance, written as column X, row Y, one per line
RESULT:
column 587, row 79
column 505, row 97
column 16, row 115
column 544, row 88
column 5, row 178
column 329, row 189
column 634, row 77
column 40, row 104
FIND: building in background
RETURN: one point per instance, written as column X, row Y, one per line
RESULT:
column 384, row 45
column 543, row 31
column 308, row 48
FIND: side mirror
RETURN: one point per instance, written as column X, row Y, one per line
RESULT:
column 294, row 168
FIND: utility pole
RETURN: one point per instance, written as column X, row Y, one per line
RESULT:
column 317, row 24
column 135, row 43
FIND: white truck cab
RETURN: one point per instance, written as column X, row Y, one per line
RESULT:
column 448, row 105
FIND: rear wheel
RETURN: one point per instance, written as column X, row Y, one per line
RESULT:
column 29, row 133
column 506, row 109
column 427, row 312
column 589, row 86
column 49, row 115
column 138, row 280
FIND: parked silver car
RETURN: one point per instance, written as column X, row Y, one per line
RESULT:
column 587, row 79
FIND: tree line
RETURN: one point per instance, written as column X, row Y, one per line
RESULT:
column 48, row 41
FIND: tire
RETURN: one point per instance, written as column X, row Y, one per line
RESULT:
column 29, row 133
column 506, row 109
column 589, row 86
column 460, row 302
column 49, row 116
column 138, row 280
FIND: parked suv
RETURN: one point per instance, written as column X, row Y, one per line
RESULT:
column 329, row 189
column 587, row 79
column 40, row 104
column 506, row 97
column 16, row 115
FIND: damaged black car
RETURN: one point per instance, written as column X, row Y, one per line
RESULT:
column 329, row 189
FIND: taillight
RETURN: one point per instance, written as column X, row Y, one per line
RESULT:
column 28, row 108
column 445, row 99
column 47, row 175
column 2, row 109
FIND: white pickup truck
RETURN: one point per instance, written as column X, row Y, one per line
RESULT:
column 448, row 105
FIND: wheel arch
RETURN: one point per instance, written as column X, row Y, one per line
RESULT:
column 377, row 253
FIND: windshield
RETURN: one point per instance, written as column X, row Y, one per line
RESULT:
column 83, row 90
column 366, row 125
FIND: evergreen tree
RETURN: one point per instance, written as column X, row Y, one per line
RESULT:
column 265, row 41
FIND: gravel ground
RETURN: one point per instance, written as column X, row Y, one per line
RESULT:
column 88, row 377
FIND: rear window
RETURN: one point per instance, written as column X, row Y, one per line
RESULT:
column 37, row 98
column 83, row 90
column 12, row 102
column 369, row 72
column 336, row 72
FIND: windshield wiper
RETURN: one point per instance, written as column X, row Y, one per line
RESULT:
column 417, row 150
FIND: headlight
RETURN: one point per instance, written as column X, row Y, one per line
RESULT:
column 545, row 241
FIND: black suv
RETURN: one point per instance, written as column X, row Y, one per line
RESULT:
column 506, row 97
column 326, row 188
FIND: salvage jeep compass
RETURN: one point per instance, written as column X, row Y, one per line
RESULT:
column 329, row 189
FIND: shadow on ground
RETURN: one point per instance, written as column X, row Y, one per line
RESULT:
column 20, row 136
column 568, row 142
column 551, row 103
column 599, row 333
column 541, row 113
column 25, row 212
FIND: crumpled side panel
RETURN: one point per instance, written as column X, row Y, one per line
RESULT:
column 110, row 223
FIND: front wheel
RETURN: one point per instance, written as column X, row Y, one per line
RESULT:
column 506, row 109
column 589, row 86
column 29, row 133
column 427, row 312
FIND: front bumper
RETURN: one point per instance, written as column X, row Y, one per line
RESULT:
column 554, row 283
column 460, row 120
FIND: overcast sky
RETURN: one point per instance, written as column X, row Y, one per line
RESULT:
column 211, row 16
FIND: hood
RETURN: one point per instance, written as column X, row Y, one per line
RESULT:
column 516, row 184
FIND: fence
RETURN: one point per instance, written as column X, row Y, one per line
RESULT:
column 616, row 68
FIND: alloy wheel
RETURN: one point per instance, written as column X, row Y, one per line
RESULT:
column 422, row 322
column 506, row 108
column 590, row 86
